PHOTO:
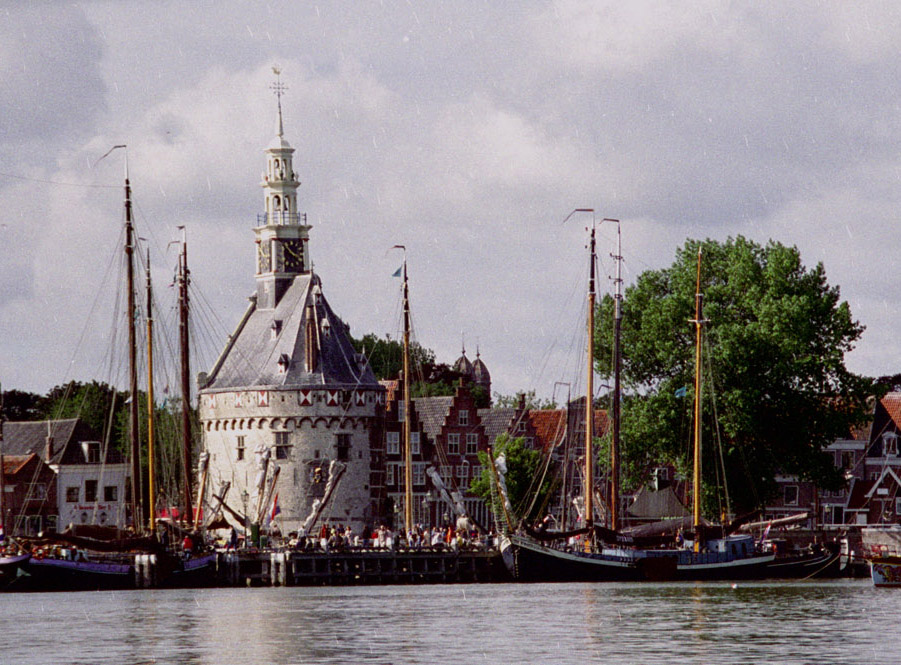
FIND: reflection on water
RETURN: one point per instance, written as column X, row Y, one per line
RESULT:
column 798, row 622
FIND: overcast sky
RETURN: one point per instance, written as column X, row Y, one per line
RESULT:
column 466, row 131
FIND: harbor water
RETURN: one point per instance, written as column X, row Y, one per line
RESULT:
column 839, row 621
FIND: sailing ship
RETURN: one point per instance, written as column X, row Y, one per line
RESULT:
column 606, row 554
column 108, row 558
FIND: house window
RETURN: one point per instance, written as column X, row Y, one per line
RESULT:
column 342, row 446
column 401, row 410
column 282, row 445
column 389, row 474
column 393, row 443
column 791, row 495
column 453, row 444
column 414, row 443
column 419, row 473
column 463, row 472
column 472, row 444
column 463, row 417
column 111, row 493
column 239, row 451
column 90, row 491
column 72, row 494
column 476, row 471
column 890, row 444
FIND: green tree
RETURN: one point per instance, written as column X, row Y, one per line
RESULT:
column 20, row 405
column 532, row 401
column 524, row 467
column 386, row 356
column 776, row 336
column 91, row 402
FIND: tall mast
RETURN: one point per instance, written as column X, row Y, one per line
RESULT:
column 696, row 479
column 185, row 374
column 137, row 517
column 617, row 386
column 589, row 391
column 151, row 484
column 408, row 451
column 2, row 473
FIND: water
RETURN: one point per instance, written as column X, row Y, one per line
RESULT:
column 778, row 622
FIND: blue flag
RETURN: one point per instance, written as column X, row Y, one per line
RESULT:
column 397, row 272
column 682, row 391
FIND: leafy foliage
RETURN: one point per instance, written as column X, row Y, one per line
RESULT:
column 532, row 401
column 523, row 471
column 776, row 336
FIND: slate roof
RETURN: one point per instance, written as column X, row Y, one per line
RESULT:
column 433, row 412
column 27, row 437
column 497, row 422
column 253, row 359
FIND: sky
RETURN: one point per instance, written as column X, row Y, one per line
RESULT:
column 466, row 131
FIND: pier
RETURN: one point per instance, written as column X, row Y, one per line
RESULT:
column 357, row 567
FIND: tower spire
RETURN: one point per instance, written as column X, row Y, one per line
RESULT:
column 279, row 89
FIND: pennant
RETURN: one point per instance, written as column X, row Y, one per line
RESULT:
column 397, row 273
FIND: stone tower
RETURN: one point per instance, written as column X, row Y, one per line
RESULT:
column 288, row 387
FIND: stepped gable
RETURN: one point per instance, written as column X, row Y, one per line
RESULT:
column 433, row 413
column 301, row 342
column 497, row 422
column 22, row 438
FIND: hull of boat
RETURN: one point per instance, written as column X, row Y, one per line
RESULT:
column 530, row 561
column 886, row 571
column 196, row 572
column 825, row 563
column 12, row 568
column 65, row 575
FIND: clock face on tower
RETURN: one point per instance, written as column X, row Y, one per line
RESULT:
column 292, row 250
column 264, row 258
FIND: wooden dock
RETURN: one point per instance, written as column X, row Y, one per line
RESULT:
column 358, row 567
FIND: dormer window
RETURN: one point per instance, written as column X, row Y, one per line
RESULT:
column 283, row 363
column 326, row 327
column 91, row 450
column 276, row 328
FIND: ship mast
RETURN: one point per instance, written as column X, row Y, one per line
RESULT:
column 185, row 374
column 617, row 384
column 137, row 517
column 589, row 391
column 151, row 501
column 696, row 479
column 2, row 473
column 408, row 451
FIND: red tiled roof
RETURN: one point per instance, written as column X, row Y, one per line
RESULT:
column 12, row 464
column 549, row 425
column 892, row 404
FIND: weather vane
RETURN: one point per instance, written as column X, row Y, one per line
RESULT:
column 278, row 87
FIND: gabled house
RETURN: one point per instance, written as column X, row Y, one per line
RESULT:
column 91, row 480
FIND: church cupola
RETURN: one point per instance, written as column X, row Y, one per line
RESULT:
column 282, row 233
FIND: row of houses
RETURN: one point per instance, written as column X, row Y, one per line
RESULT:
column 58, row 473
column 871, row 462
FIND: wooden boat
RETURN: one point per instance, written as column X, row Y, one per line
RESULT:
column 703, row 557
column 885, row 570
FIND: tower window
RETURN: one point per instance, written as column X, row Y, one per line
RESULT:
column 239, row 450
column 282, row 445
column 342, row 446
